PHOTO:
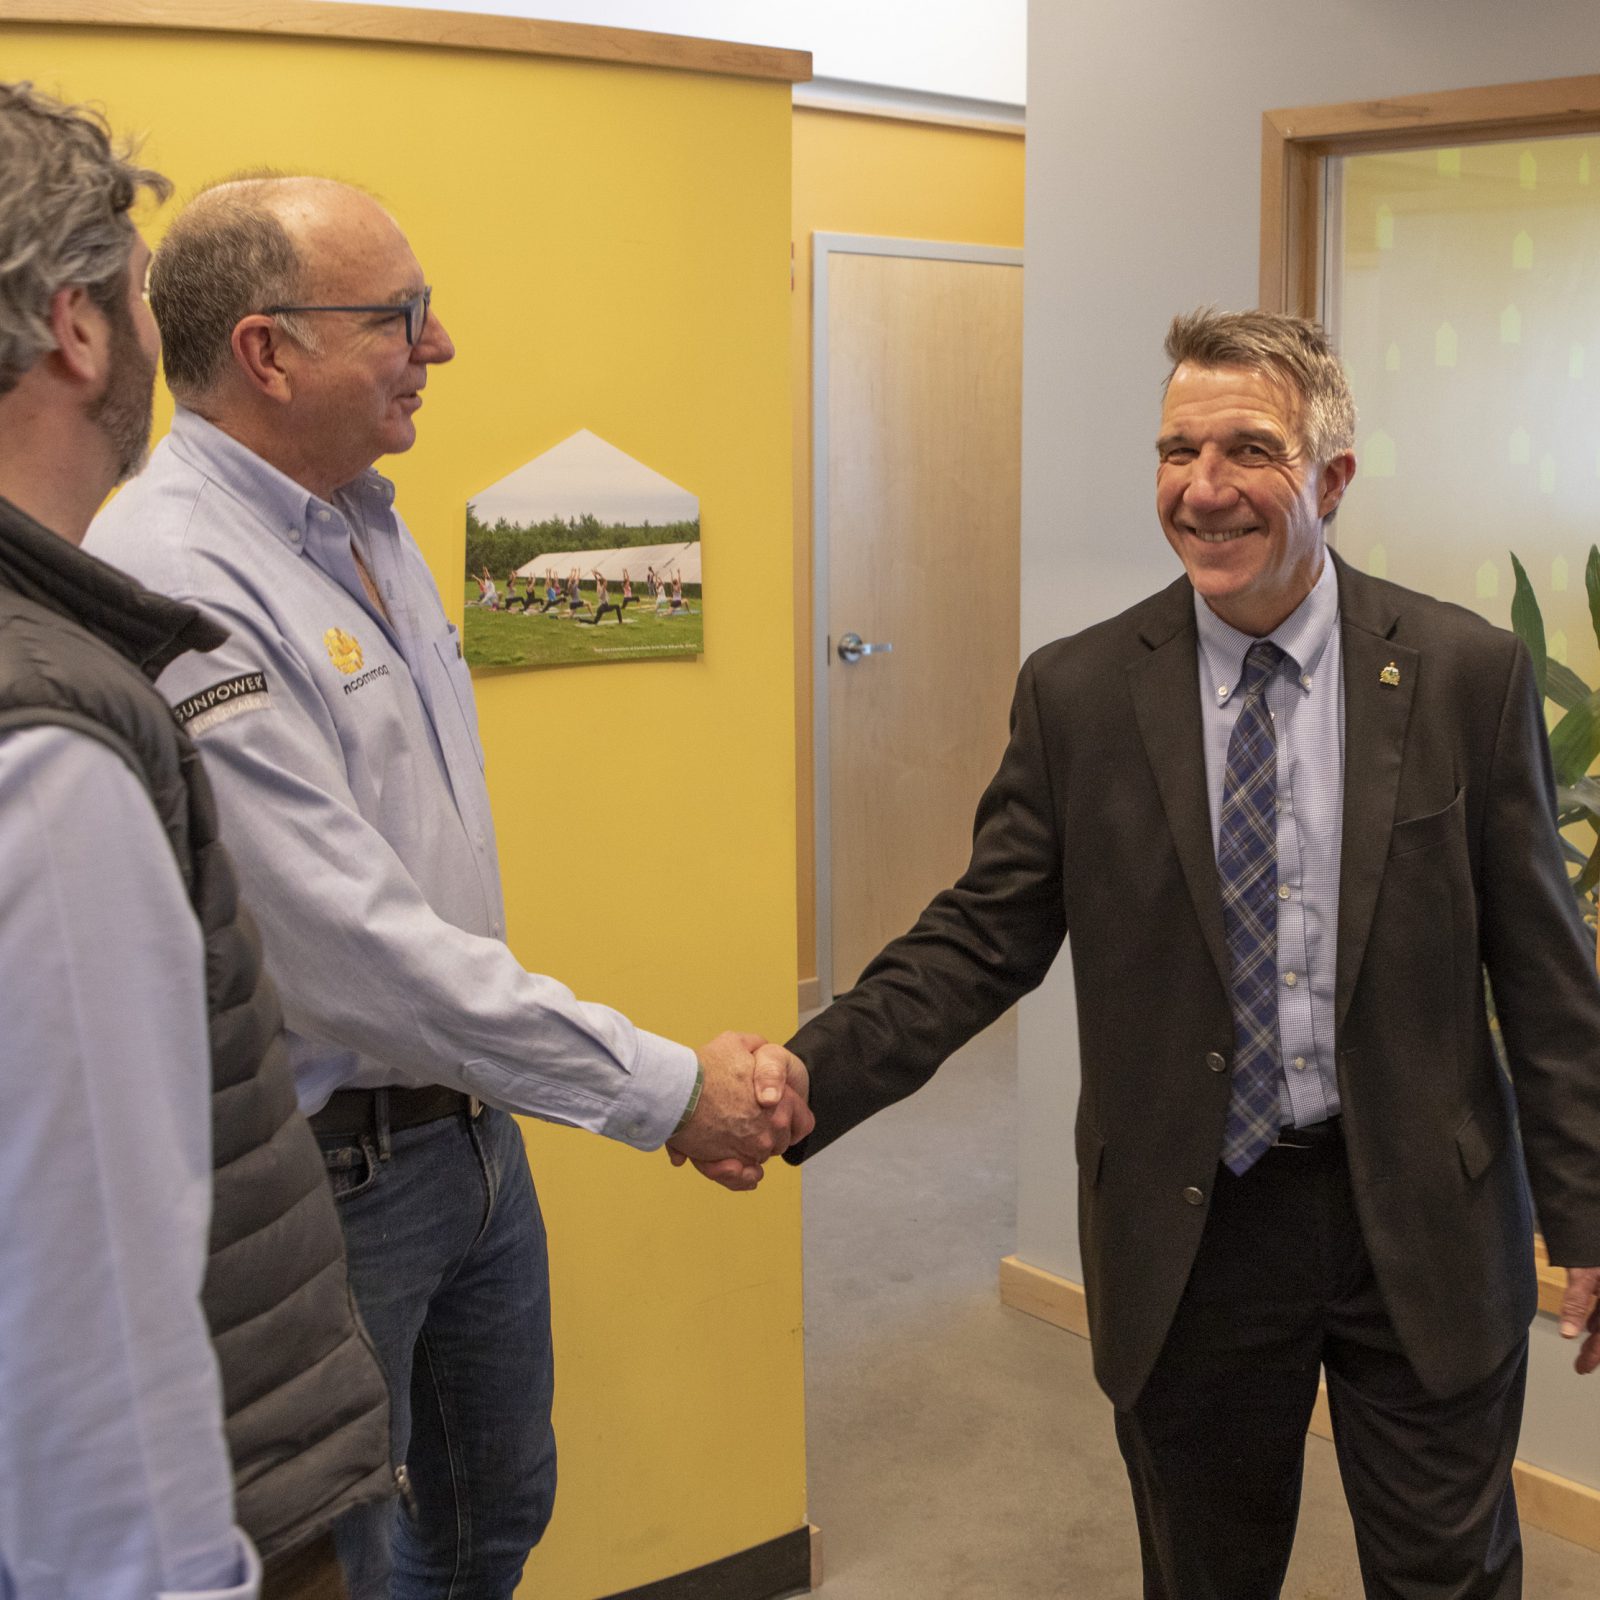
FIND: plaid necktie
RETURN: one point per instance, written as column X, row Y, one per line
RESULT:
column 1247, row 866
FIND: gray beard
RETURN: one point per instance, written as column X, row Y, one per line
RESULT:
column 123, row 412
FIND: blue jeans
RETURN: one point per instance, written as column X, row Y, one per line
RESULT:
column 448, row 1264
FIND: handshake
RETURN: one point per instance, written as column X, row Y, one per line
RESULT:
column 752, row 1106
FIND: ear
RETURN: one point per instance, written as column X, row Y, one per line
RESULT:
column 1333, row 480
column 82, row 333
column 265, row 357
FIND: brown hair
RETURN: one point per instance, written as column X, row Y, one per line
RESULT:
column 1291, row 350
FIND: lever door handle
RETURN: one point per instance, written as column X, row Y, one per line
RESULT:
column 852, row 648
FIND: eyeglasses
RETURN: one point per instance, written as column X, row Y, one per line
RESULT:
column 414, row 310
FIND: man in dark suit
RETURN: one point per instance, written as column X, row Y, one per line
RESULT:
column 1289, row 814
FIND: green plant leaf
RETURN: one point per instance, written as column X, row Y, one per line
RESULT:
column 1571, row 854
column 1586, row 880
column 1528, row 623
column 1563, row 685
column 1591, row 582
column 1584, row 795
column 1575, row 741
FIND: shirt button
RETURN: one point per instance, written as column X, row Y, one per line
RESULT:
column 1305, row 680
column 1289, row 980
column 1193, row 1196
column 1283, row 891
column 1222, row 691
column 1216, row 1061
column 322, row 516
column 1299, row 1063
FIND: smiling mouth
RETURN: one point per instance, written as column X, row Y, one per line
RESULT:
column 1219, row 535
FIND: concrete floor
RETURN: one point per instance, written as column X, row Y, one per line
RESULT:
column 958, row 1448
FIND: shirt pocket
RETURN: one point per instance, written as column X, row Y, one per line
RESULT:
column 460, row 678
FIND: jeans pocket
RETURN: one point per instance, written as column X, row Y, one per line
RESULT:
column 352, row 1166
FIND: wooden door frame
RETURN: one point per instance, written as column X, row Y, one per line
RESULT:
column 1296, row 146
column 1297, row 143
column 824, row 246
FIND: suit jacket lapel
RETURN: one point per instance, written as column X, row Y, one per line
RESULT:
column 1165, row 685
column 1376, row 712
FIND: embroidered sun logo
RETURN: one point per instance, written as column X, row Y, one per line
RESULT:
column 343, row 651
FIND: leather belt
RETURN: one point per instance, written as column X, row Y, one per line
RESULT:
column 352, row 1112
column 1313, row 1137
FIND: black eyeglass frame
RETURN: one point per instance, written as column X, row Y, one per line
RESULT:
column 414, row 310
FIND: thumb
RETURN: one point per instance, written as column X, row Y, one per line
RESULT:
column 1582, row 1285
column 771, row 1074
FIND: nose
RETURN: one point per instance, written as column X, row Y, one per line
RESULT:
column 435, row 345
column 1210, row 486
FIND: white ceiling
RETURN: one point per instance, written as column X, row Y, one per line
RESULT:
column 966, row 49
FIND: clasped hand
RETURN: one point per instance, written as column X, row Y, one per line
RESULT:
column 752, row 1107
column 1580, row 1315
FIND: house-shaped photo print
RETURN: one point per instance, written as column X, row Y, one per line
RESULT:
column 583, row 556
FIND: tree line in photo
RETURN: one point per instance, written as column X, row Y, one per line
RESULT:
column 503, row 545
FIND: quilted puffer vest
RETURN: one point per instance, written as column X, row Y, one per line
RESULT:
column 305, row 1404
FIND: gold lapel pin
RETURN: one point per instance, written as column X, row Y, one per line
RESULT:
column 1390, row 676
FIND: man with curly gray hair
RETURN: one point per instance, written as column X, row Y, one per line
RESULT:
column 186, row 1390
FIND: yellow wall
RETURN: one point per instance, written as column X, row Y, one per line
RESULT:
column 856, row 174
column 609, row 248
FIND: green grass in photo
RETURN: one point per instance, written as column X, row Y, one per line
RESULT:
column 518, row 639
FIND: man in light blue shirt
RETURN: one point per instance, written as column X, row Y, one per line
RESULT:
column 144, row 1090
column 338, row 722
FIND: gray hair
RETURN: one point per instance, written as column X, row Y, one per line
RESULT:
column 1291, row 350
column 226, row 257
column 63, row 218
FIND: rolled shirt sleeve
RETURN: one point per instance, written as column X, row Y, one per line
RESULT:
column 115, row 1480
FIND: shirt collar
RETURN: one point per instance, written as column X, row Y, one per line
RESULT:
column 288, row 508
column 1302, row 636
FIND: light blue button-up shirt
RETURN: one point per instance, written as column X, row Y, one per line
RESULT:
column 114, row 1473
column 1306, row 698
column 343, row 747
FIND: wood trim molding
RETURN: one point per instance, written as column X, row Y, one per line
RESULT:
column 1296, row 144
column 447, row 30
column 1042, row 1294
column 1561, row 1506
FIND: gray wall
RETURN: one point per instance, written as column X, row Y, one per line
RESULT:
column 1144, row 157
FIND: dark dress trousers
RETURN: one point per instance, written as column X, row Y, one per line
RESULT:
column 1097, row 824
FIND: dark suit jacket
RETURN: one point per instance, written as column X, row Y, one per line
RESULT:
column 1097, row 823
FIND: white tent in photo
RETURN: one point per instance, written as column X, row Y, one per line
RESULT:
column 674, row 560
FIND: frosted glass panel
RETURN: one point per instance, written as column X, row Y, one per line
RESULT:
column 1465, row 298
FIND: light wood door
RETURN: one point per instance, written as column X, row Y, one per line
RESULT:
column 923, row 482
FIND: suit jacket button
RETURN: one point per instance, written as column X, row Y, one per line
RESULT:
column 1216, row 1061
column 1194, row 1196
